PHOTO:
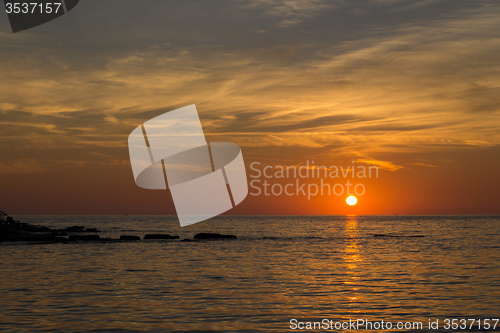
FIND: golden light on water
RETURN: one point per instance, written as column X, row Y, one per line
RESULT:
column 352, row 259
column 351, row 200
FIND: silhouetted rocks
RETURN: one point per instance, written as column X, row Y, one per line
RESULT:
column 160, row 236
column 204, row 235
column 77, row 228
column 15, row 231
column 130, row 238
column 16, row 226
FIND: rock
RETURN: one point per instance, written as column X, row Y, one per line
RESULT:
column 55, row 233
column 204, row 235
column 84, row 238
column 75, row 228
column 160, row 236
column 16, row 231
column 130, row 238
column 21, row 227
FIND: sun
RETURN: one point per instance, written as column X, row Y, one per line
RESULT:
column 351, row 201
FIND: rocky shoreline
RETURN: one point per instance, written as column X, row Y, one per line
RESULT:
column 15, row 231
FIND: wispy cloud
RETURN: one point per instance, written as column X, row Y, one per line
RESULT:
column 33, row 166
column 384, row 165
column 25, row 166
column 293, row 12
column 416, row 86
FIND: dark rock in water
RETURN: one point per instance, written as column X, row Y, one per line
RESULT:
column 160, row 236
column 75, row 228
column 84, row 238
column 15, row 226
column 130, row 238
column 15, row 231
column 204, row 235
column 56, row 233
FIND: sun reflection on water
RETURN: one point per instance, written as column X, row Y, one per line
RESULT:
column 352, row 258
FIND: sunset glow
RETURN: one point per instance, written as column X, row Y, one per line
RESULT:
column 416, row 98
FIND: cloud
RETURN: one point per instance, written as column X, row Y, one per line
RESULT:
column 384, row 165
column 414, row 85
column 26, row 166
column 292, row 12
column 424, row 165
column 34, row 166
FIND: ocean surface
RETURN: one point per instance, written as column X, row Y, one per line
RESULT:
column 280, row 268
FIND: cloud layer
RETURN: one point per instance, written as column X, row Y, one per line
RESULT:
column 354, row 78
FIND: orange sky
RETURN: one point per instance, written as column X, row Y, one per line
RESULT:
column 410, row 86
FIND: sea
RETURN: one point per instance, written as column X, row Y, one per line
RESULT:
column 281, row 274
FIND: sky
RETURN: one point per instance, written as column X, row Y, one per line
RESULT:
column 411, row 86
